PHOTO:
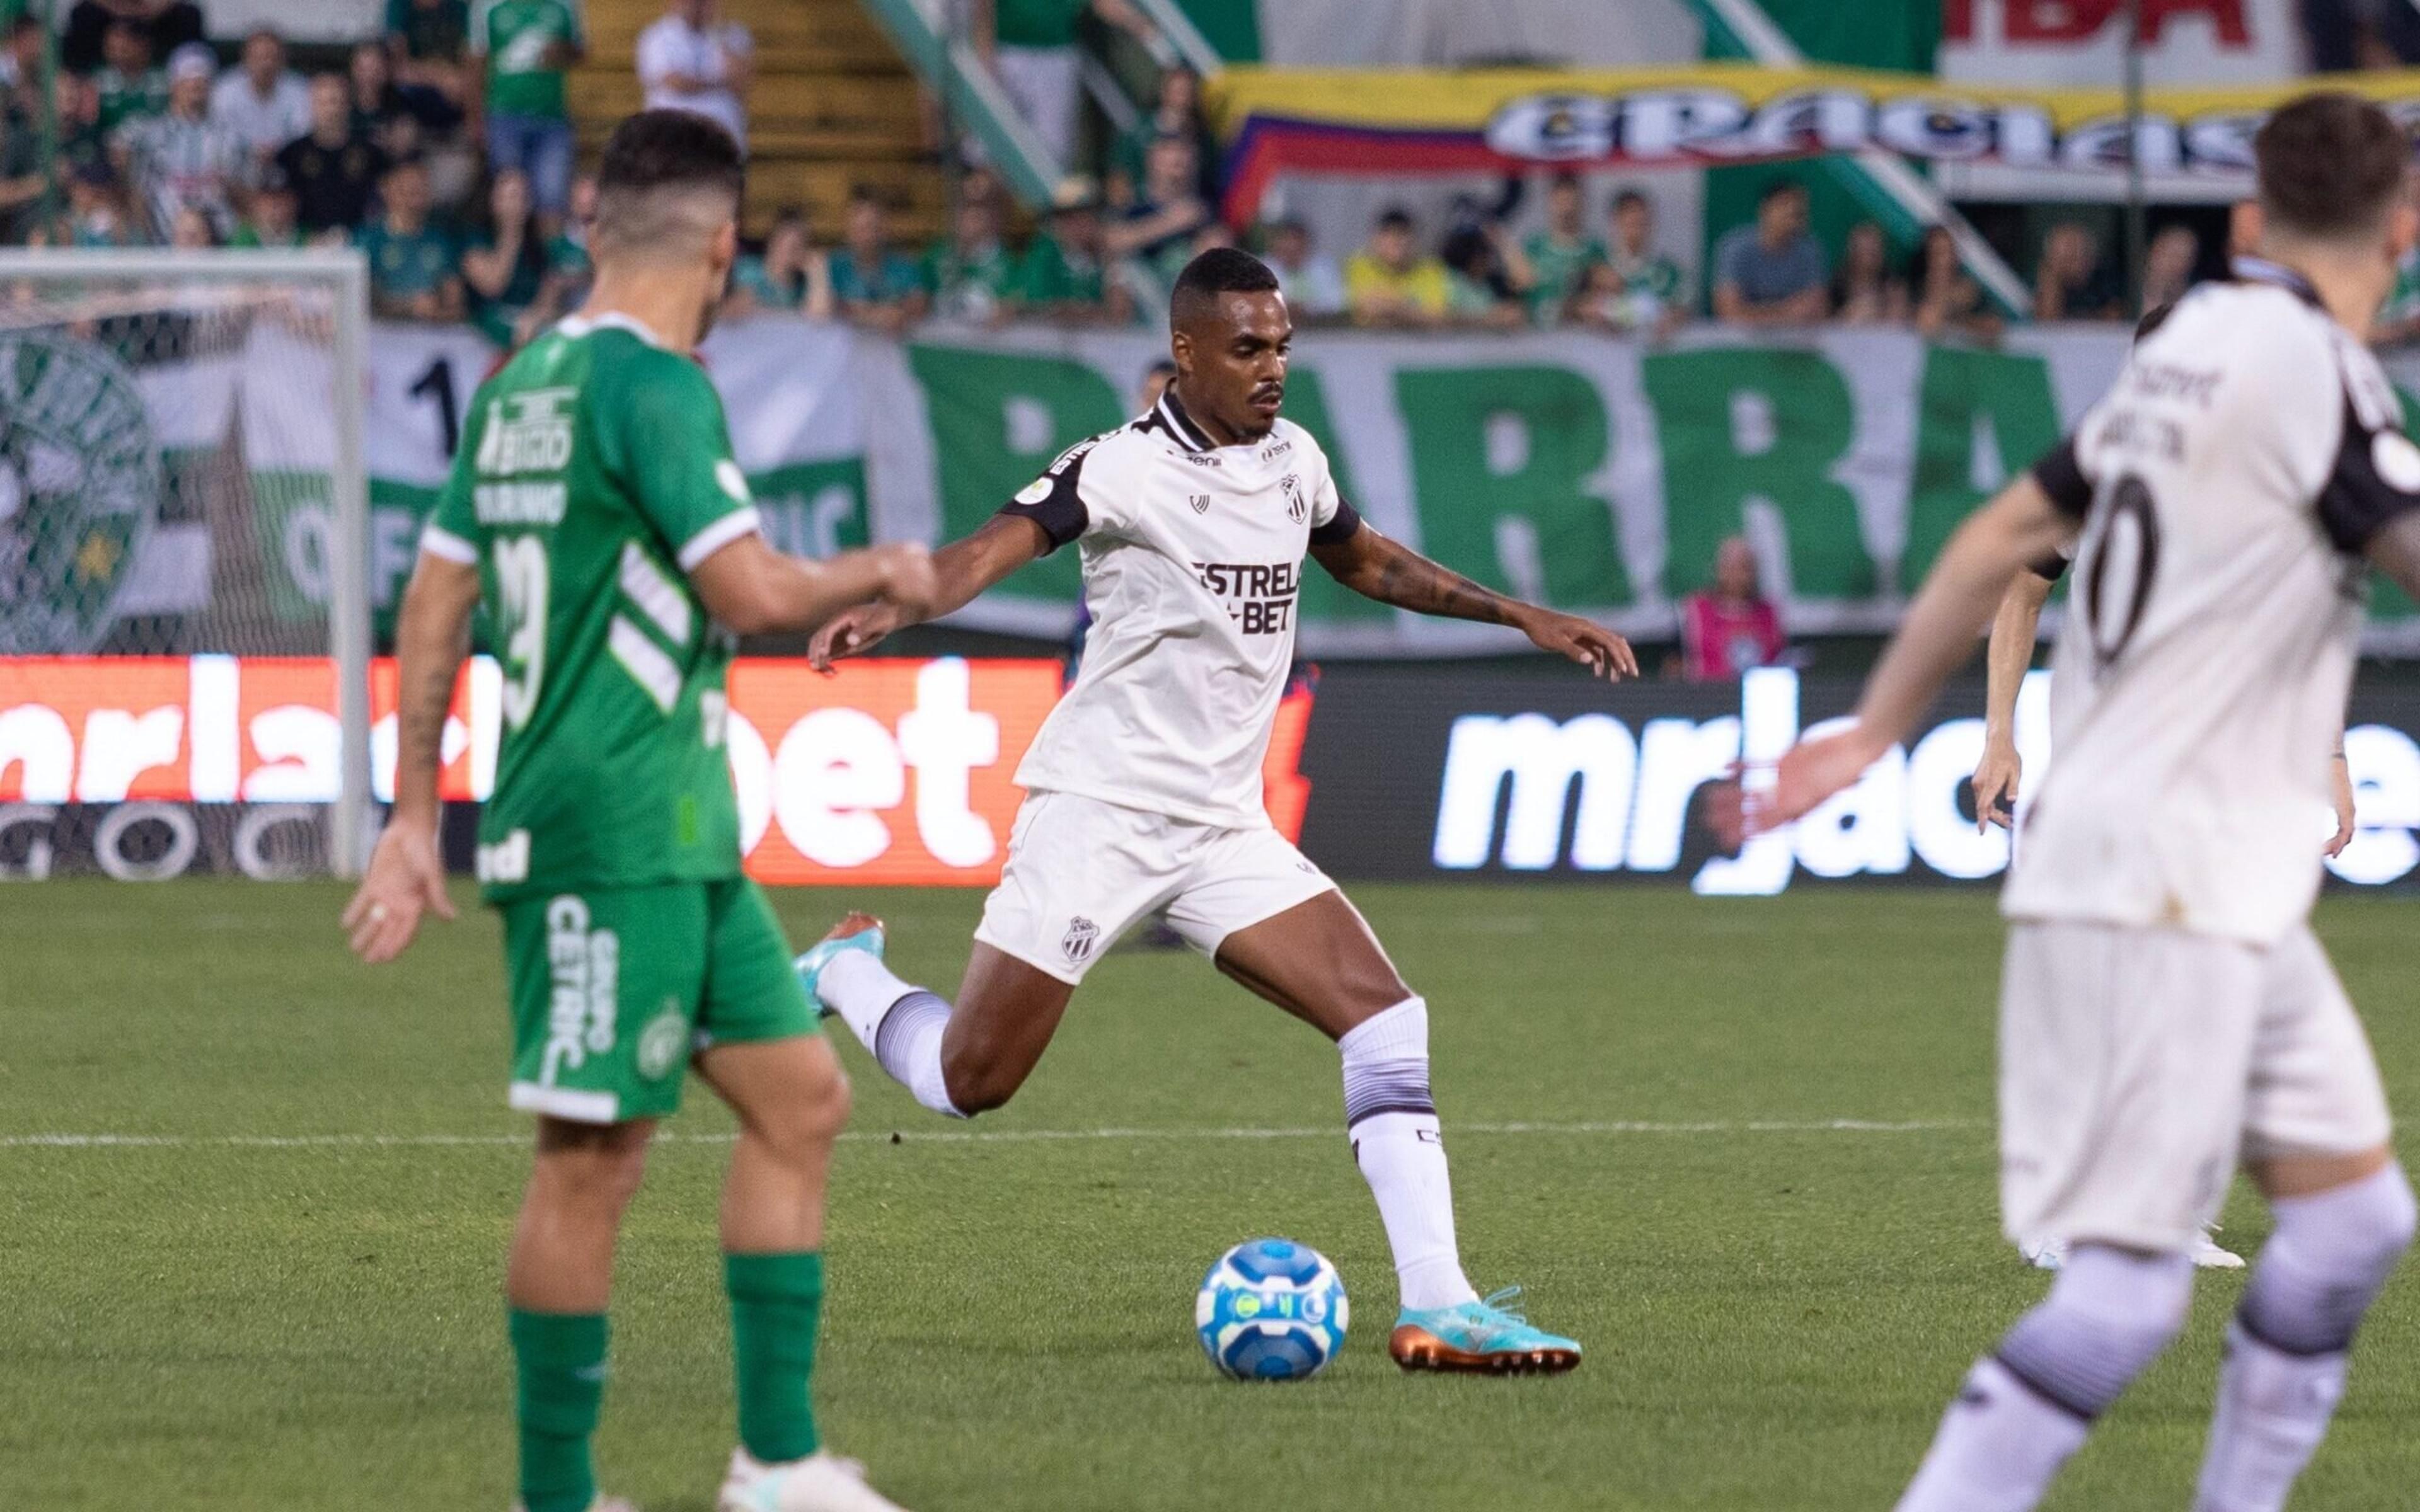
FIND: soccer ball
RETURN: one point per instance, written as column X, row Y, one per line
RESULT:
column 1271, row 1310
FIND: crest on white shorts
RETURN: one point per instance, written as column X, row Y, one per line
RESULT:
column 1081, row 937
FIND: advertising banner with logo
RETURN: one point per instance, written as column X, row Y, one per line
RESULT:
column 2195, row 135
column 890, row 771
column 899, row 772
column 1594, row 474
column 1537, row 774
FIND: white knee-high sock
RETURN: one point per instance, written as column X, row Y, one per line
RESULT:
column 1392, row 1123
column 900, row 1024
column 2026, row 1408
column 2286, row 1351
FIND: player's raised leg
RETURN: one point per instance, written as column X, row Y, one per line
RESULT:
column 557, row 1281
column 958, row 1060
column 1319, row 960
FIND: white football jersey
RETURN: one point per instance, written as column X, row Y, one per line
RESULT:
column 2226, row 486
column 1193, row 559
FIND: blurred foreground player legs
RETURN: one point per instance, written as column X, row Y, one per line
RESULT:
column 1145, row 785
column 597, row 510
column 2167, row 1013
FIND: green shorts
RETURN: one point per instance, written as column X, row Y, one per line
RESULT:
column 613, row 990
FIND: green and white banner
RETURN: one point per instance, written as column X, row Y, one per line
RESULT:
column 1594, row 474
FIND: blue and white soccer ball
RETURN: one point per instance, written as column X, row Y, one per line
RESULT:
column 1271, row 1310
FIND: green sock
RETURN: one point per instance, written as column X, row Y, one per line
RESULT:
column 561, row 1360
column 777, row 1300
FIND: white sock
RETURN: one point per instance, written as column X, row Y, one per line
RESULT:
column 2272, row 1411
column 2029, row 1406
column 1393, row 1126
column 1998, row 1447
column 901, row 1024
column 861, row 989
column 2324, row 1265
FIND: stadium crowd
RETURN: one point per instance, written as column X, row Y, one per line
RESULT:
column 448, row 156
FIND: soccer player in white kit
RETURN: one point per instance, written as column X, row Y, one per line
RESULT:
column 1144, row 784
column 2165, row 1011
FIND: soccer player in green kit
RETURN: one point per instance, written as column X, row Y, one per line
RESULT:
column 597, row 510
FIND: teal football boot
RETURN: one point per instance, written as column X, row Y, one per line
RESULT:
column 854, row 932
column 1487, row 1337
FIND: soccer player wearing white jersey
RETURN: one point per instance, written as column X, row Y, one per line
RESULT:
column 2165, row 1010
column 1144, row 784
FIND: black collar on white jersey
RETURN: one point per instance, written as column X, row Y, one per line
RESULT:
column 1180, row 425
column 2261, row 270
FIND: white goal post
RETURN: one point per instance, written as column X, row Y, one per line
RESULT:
column 152, row 504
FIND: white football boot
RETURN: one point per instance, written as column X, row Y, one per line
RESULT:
column 2207, row 1254
column 821, row 1483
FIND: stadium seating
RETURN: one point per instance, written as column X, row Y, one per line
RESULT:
column 833, row 106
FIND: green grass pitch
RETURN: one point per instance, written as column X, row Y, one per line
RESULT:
column 1637, row 1087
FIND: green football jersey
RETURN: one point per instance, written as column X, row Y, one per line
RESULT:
column 514, row 35
column 594, row 472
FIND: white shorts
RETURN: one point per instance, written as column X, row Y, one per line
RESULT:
column 1080, row 871
column 2138, row 1066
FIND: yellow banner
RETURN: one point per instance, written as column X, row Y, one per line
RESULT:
column 1277, row 120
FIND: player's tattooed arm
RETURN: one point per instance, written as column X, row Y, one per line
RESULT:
column 1375, row 566
column 961, row 570
column 407, row 875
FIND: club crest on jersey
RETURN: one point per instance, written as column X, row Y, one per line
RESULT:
column 1201, row 503
column 1291, row 487
column 1081, row 937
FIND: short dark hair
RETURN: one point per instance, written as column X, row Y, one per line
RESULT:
column 1564, row 178
column 1395, row 218
column 2329, row 165
column 1623, row 199
column 1220, row 270
column 1774, row 187
column 656, row 164
column 670, row 150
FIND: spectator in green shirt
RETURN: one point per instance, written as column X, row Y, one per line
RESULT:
column 269, row 221
column 507, row 278
column 425, row 39
column 22, row 182
column 1031, row 45
column 130, row 81
column 527, row 46
column 566, row 251
column 1562, row 255
column 1635, row 288
column 1177, row 113
column 873, row 284
column 790, row 274
column 970, row 273
column 1065, row 275
column 412, row 274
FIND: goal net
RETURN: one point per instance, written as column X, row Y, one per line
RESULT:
column 184, row 618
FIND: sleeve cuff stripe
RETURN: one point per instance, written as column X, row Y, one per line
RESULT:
column 729, row 528
column 444, row 543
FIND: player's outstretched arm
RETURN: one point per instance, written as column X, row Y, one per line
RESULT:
column 1390, row 572
column 2007, row 658
column 961, row 570
column 2019, row 526
column 752, row 589
column 406, row 874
